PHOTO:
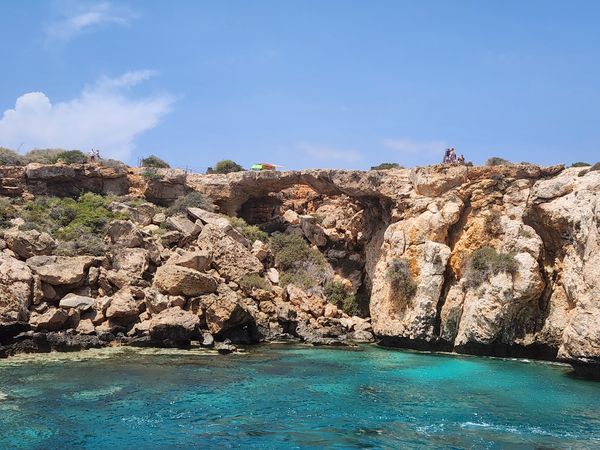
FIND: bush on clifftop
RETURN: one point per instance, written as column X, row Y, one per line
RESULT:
column 386, row 166
column 580, row 164
column 155, row 161
column 496, row 161
column 227, row 166
column 9, row 157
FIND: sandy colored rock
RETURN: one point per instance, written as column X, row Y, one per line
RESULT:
column 30, row 243
column 61, row 270
column 174, row 324
column 124, row 233
column 16, row 285
column 177, row 280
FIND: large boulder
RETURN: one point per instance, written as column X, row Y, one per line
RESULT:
column 174, row 324
column 195, row 259
column 16, row 288
column 122, row 308
column 128, row 266
column 52, row 319
column 178, row 280
column 230, row 257
column 184, row 225
column 30, row 243
column 80, row 302
column 125, row 234
column 61, row 270
column 225, row 311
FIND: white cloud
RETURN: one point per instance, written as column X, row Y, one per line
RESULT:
column 88, row 17
column 404, row 145
column 103, row 116
column 324, row 153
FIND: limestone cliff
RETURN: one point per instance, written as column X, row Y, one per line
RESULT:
column 432, row 219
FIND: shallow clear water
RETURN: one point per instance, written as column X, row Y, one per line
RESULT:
column 291, row 397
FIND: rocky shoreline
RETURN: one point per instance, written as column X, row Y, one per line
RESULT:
column 338, row 257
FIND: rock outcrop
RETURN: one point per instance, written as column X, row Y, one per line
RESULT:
column 402, row 241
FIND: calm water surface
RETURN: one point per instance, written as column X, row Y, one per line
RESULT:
column 291, row 397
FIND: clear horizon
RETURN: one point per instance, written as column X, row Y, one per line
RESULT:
column 337, row 84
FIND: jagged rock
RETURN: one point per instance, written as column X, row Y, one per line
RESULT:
column 260, row 250
column 197, row 260
column 220, row 222
column 125, row 234
column 305, row 301
column 80, row 302
column 142, row 213
column 159, row 218
column 177, row 280
column 52, row 320
column 123, row 308
column 313, row 231
column 16, row 282
column 208, row 340
column 174, row 324
column 171, row 238
column 26, row 244
column 291, row 217
column 61, row 270
column 224, row 348
column 183, row 225
column 225, row 311
column 85, row 326
column 273, row 275
column 129, row 266
column 232, row 259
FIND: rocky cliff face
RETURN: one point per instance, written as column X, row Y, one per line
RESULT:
column 402, row 240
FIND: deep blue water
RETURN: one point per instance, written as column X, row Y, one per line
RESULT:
column 292, row 397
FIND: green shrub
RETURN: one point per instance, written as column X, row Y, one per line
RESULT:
column 486, row 262
column 290, row 250
column 151, row 174
column 250, row 232
column 72, row 157
column 253, row 280
column 9, row 157
column 85, row 244
column 227, row 166
column 300, row 264
column 43, row 155
column 496, row 161
column 7, row 212
column 81, row 222
column 583, row 172
column 192, row 200
column 336, row 293
column 155, row 161
column 580, row 164
column 400, row 278
column 113, row 163
column 386, row 166
column 595, row 167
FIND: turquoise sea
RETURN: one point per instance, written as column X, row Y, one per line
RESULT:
column 283, row 397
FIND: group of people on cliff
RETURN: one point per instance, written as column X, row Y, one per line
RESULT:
column 450, row 157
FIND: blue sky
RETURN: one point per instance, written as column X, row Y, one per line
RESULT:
column 335, row 83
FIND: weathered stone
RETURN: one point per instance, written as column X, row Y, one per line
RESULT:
column 232, row 259
column 177, row 280
column 52, row 320
column 61, row 270
column 125, row 234
column 30, row 243
column 197, row 260
column 16, row 283
column 174, row 324
column 80, row 302
column 183, row 225
column 122, row 308
column 225, row 311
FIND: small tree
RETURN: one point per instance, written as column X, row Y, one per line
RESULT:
column 227, row 166
column 43, row 155
column 155, row 161
column 486, row 262
column 386, row 166
column 496, row 161
column 401, row 279
column 9, row 157
column 72, row 157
